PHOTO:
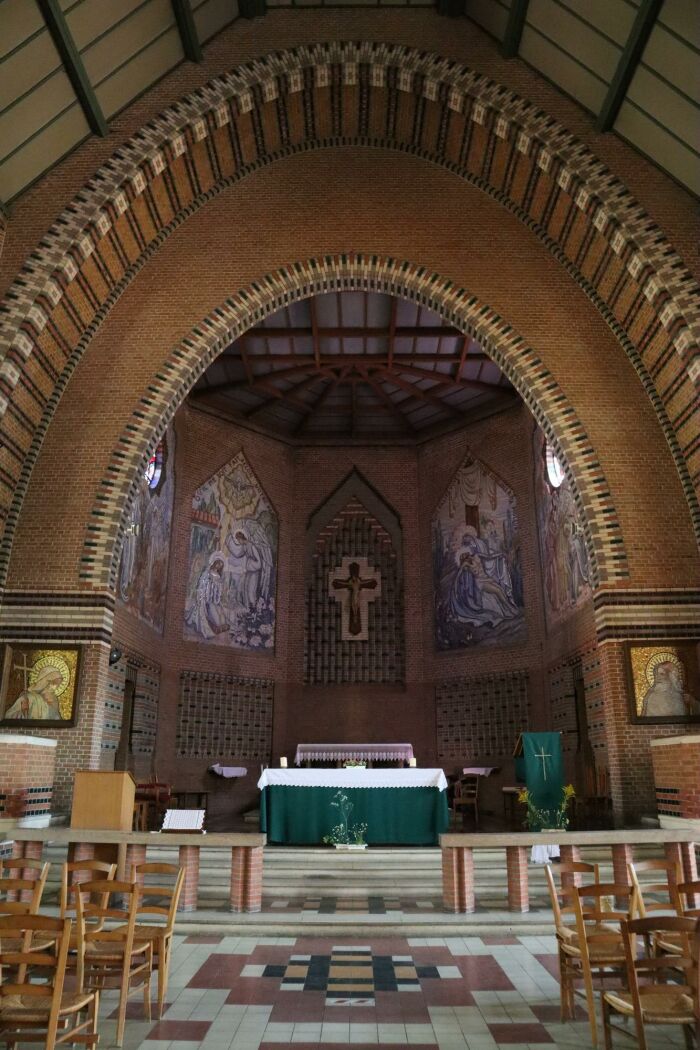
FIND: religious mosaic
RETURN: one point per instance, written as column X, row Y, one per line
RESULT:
column 232, row 575
column 664, row 682
column 565, row 568
column 39, row 686
column 477, row 572
column 143, row 569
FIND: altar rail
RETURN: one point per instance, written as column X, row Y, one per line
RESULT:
column 458, row 858
column 84, row 844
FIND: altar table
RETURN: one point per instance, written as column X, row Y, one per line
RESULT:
column 353, row 753
column 405, row 807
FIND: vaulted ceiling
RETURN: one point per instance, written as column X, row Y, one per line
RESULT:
column 67, row 67
column 362, row 365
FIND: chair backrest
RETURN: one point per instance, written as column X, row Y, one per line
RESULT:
column 22, row 882
column 661, row 886
column 559, row 895
column 685, row 896
column 151, row 896
column 20, row 960
column 597, row 910
column 467, row 788
column 74, row 873
column 646, row 969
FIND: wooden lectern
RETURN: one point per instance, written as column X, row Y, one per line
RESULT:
column 104, row 801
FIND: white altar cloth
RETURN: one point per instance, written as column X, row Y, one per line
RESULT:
column 353, row 752
column 354, row 778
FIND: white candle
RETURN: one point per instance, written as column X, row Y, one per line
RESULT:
column 412, row 762
column 283, row 761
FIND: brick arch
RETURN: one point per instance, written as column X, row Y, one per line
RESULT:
column 330, row 95
column 535, row 384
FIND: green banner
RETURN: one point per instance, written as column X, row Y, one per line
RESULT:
column 544, row 774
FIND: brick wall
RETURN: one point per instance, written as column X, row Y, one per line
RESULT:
column 27, row 770
column 676, row 765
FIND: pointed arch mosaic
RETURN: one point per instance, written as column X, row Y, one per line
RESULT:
column 477, row 570
column 232, row 568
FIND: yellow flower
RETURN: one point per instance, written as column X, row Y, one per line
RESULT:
column 524, row 797
column 569, row 792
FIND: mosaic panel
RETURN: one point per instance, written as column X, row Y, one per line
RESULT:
column 224, row 715
column 481, row 716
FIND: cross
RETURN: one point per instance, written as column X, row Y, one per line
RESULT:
column 360, row 587
column 23, row 668
column 544, row 764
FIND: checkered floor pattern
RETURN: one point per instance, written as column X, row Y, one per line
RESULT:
column 495, row 992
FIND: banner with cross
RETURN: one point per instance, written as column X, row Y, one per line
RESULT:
column 544, row 769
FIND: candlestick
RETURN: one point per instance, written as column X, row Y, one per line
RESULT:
column 412, row 762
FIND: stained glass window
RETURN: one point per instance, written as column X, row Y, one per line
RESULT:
column 154, row 467
column 555, row 471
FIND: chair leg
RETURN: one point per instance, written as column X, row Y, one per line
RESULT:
column 607, row 1031
column 163, row 970
column 688, row 1036
column 147, row 988
column 590, row 1002
column 123, row 996
column 563, row 987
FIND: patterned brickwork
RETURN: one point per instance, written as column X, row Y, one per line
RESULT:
column 563, row 706
column 26, row 778
column 222, row 715
column 595, row 707
column 363, row 94
column 354, row 532
column 479, row 717
column 146, row 678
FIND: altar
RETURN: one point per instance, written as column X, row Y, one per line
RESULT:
column 406, row 807
column 339, row 753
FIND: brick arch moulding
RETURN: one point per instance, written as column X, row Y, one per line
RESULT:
column 334, row 95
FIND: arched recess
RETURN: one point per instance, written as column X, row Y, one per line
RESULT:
column 332, row 95
column 556, row 416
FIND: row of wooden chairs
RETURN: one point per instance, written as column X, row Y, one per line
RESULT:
column 649, row 946
column 100, row 934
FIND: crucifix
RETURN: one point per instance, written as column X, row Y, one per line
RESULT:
column 544, row 762
column 23, row 669
column 354, row 591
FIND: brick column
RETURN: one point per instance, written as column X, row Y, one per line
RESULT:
column 690, row 871
column 79, row 851
column 674, row 854
column 622, row 855
column 570, row 855
column 246, row 878
column 135, row 854
column 189, row 860
column 518, row 892
column 457, row 879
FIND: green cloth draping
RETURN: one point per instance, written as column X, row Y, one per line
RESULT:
column 394, row 816
column 544, row 773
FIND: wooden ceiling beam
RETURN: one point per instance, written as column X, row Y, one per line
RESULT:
column 314, row 332
column 320, row 401
column 353, row 331
column 285, row 395
column 446, row 380
column 386, row 400
column 422, row 395
column 72, row 62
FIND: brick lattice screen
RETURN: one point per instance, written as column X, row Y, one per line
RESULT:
column 482, row 716
column 221, row 716
column 354, row 532
column 563, row 705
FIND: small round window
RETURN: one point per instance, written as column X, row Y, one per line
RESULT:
column 154, row 467
column 555, row 471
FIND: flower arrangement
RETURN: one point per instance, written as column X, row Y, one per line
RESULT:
column 344, row 834
column 354, row 764
column 537, row 819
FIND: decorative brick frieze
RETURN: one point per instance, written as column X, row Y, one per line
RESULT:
column 222, row 715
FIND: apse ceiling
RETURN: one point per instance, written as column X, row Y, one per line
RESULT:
column 354, row 365
column 68, row 67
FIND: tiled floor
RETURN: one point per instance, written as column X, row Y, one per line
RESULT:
column 434, row 993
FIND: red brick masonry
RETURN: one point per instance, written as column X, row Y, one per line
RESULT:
column 27, row 767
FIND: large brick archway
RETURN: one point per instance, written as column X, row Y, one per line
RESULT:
column 165, row 394
column 331, row 95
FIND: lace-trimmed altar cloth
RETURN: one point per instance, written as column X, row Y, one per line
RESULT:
column 353, row 753
column 354, row 778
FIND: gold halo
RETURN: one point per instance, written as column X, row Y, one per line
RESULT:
column 56, row 661
column 663, row 658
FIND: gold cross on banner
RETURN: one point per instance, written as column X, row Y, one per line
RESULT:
column 544, row 763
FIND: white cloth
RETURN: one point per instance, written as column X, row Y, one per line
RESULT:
column 543, row 854
column 354, row 752
column 354, row 778
column 228, row 771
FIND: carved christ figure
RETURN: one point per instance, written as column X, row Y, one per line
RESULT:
column 356, row 599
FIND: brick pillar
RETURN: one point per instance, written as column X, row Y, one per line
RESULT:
column 690, row 871
column 622, row 855
column 457, row 879
column 79, row 851
column 518, row 892
column 570, row 855
column 135, row 854
column 246, row 878
column 674, row 854
column 189, row 860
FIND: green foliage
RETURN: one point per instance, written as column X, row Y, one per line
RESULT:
column 547, row 818
column 345, row 834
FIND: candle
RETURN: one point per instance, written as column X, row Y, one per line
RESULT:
column 412, row 762
column 283, row 762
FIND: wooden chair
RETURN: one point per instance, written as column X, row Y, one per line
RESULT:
column 686, row 896
column 114, row 954
column 41, row 1012
column 162, row 901
column 72, row 875
column 648, row 894
column 466, row 796
column 661, row 989
column 593, row 947
column 22, row 883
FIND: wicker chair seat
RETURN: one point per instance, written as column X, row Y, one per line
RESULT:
column 666, row 1006
column 30, row 1009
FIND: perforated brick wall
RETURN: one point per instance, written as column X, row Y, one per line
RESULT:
column 222, row 715
column 676, row 780
column 563, row 706
column 481, row 716
column 26, row 777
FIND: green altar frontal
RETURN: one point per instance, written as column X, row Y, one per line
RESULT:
column 404, row 807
